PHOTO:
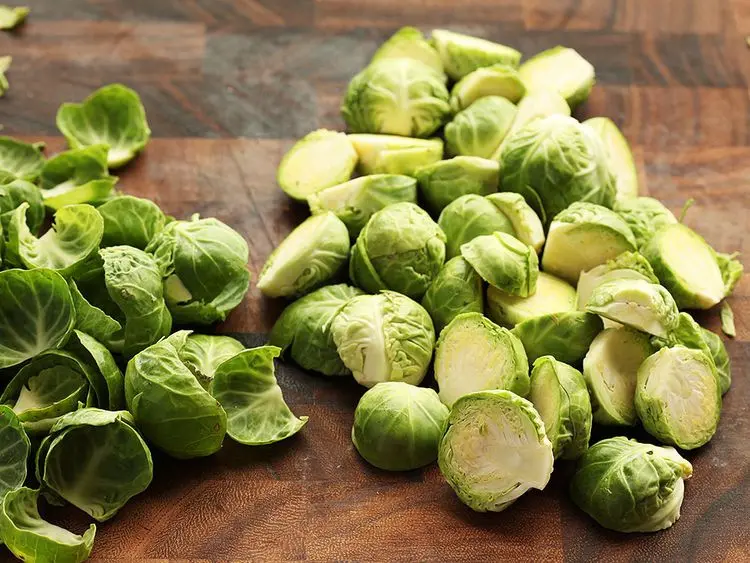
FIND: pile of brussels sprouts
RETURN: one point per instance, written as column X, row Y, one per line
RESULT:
column 104, row 291
column 483, row 227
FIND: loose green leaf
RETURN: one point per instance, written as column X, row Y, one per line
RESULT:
column 203, row 353
column 77, row 176
column 130, row 221
column 727, row 320
column 15, row 451
column 5, row 63
column 19, row 159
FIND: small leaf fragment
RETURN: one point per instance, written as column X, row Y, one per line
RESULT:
column 727, row 320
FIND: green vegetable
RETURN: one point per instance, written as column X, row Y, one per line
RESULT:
column 113, row 116
column 397, row 426
column 107, row 380
column 628, row 486
column 468, row 217
column 446, row 180
column 77, row 176
column 16, row 448
column 456, row 289
column 562, row 70
column 131, row 221
column 620, row 158
column 391, row 154
column 731, row 270
column 496, row 80
column 462, row 54
column 204, row 353
column 12, row 17
column 12, row 195
column 504, row 262
column 721, row 358
column 564, row 336
column 409, row 43
column 628, row 265
column 5, row 63
column 552, row 295
column 644, row 216
column 526, row 224
column 20, row 160
column 480, row 128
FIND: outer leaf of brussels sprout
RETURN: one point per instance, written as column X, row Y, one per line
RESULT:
column 480, row 128
column 468, row 217
column 526, row 224
column 203, row 353
column 77, row 176
column 721, row 358
column 5, row 63
column 494, row 449
column 628, row 486
column 620, row 158
column 21, row 160
column 447, row 180
column 457, row 289
column 462, row 54
column 131, row 221
column 562, row 70
column 628, row 265
column 409, row 43
column 90, row 350
column 11, row 18
column 304, row 329
column 94, row 191
column 727, row 320
column 503, row 261
column 14, row 194
column 113, row 116
column 644, row 216
column 246, row 387
column 92, row 320
column 564, row 336
column 397, row 426
column 496, row 80
column 391, row 154
column 16, row 448
column 731, row 270
column 552, row 295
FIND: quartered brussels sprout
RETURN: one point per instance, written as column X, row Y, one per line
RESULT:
column 401, row 248
column 319, row 160
column 468, row 217
column 678, row 397
column 355, row 201
column 308, row 257
column 628, row 265
column 19, row 160
column 504, row 262
column 558, row 392
column 562, row 70
column 456, row 289
column 204, row 353
column 16, row 449
column 12, row 195
column 397, row 426
column 526, row 224
column 77, row 176
column 620, row 158
column 644, row 216
column 636, row 303
column 610, row 369
column 629, row 486
column 552, row 295
column 564, row 336
column 384, row 337
column 446, row 180
column 396, row 97
column 494, row 449
column 391, row 154
column 553, row 162
column 721, row 358
column 496, row 80
column 474, row 354
column 409, row 43
column 462, row 54
column 583, row 236
column 304, row 329
column 479, row 129
column 131, row 221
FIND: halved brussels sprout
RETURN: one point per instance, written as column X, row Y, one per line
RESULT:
column 409, row 43
column 20, row 160
column 583, row 236
column 628, row 265
column 456, row 289
column 462, row 54
column 644, row 216
column 131, row 221
column 77, row 176
column 204, row 353
column 12, row 195
column 397, row 426
column 553, row 162
column 384, row 337
column 355, row 201
column 494, row 449
column 304, row 329
column 480, row 128
column 562, row 70
column 721, row 358
column 503, row 261
column 308, row 257
column 678, row 397
column 620, row 158
column 474, row 354
column 391, row 154
column 396, row 97
column 319, row 160
column 446, row 180
column 496, row 80
column 401, row 248
column 468, row 217
column 552, row 295
column 16, row 449
column 564, row 336
column 526, row 224
column 611, row 369
column 628, row 486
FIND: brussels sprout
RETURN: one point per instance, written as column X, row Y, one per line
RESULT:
column 409, row 43
column 628, row 265
column 114, row 116
column 396, row 97
column 16, row 448
column 30, row 538
column 644, row 216
column 468, row 217
column 731, row 271
column 131, row 221
column 620, row 158
column 727, row 320
column 39, row 316
column 474, row 354
column 583, row 236
column 391, row 154
column 401, row 248
column 628, row 486
column 20, row 160
column 553, row 162
column 562, row 70
column 384, row 337
column 96, row 460
column 304, row 329
column 480, row 128
column 77, row 176
column 319, row 160
column 610, row 369
column 447, row 180
column 457, row 289
column 503, row 261
column 107, row 379
column 496, row 80
column 10, row 18
column 5, row 63
column 462, row 54
column 12, row 195
column 397, row 426
column 246, row 388
column 552, row 295
column 354, row 202
column 564, row 336
column 635, row 303
column 526, row 224
column 678, row 397
column 494, row 449
column 203, row 353
column 721, row 359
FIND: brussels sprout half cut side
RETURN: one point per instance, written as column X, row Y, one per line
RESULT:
column 391, row 154
column 552, row 295
column 620, row 157
column 462, row 54
column 562, row 70
column 629, row 265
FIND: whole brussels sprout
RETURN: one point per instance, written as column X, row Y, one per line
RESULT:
column 468, row 217
column 496, row 80
column 620, row 157
column 628, row 486
column 457, row 289
column 480, row 128
column 644, row 216
column 396, row 97
column 504, row 262
column 562, row 70
column 447, row 180
column 401, row 248
column 462, row 54
column 553, row 162
column 409, row 43
column 564, row 336
column 384, row 337
column 397, row 426
column 552, row 295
